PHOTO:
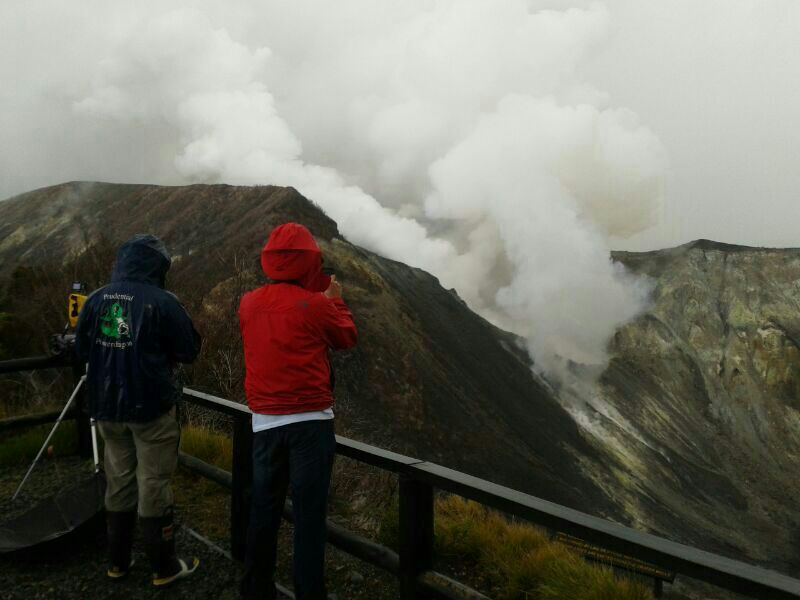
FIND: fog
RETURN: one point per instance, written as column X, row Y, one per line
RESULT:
column 504, row 147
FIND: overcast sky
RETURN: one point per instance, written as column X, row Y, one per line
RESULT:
column 505, row 147
column 719, row 82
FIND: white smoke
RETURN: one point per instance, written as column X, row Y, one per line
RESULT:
column 554, row 180
column 458, row 136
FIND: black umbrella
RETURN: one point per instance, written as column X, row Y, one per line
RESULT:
column 54, row 517
column 64, row 512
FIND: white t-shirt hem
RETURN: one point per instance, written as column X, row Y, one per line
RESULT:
column 264, row 422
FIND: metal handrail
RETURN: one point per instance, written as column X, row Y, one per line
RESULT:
column 422, row 476
column 33, row 363
column 733, row 575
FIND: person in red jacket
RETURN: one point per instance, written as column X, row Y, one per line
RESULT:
column 288, row 327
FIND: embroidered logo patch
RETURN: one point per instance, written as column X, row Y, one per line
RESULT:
column 114, row 323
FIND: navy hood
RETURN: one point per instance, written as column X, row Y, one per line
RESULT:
column 132, row 333
column 143, row 259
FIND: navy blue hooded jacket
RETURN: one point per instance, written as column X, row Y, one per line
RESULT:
column 132, row 333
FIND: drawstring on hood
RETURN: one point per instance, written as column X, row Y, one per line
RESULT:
column 293, row 256
column 144, row 259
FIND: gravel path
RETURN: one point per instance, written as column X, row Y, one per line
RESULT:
column 78, row 572
column 48, row 475
column 75, row 568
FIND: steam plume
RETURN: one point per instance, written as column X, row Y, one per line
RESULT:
column 455, row 136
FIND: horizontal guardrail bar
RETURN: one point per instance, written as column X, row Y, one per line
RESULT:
column 228, row 407
column 220, row 476
column 33, row 363
column 711, row 568
column 355, row 545
column 433, row 583
column 13, row 423
column 374, row 456
column 439, row 586
column 718, row 570
column 377, row 457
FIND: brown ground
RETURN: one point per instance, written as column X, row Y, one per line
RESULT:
column 75, row 569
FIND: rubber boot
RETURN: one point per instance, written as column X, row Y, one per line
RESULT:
column 159, row 545
column 119, row 531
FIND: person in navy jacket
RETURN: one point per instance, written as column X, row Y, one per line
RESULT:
column 133, row 333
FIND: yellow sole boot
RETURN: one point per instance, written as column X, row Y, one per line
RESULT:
column 117, row 573
column 184, row 572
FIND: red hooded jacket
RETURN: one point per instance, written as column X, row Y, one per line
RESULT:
column 289, row 325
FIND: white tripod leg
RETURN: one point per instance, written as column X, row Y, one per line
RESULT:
column 95, row 453
column 58, row 422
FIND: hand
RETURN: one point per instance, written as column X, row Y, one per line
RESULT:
column 334, row 289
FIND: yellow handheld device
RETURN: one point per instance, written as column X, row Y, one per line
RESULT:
column 76, row 301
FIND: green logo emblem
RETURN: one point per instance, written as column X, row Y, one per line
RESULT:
column 114, row 323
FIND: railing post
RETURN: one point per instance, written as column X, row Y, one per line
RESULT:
column 416, row 534
column 241, row 480
column 81, row 415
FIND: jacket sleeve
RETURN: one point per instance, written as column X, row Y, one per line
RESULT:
column 178, row 336
column 333, row 321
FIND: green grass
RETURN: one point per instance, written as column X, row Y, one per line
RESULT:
column 210, row 446
column 21, row 449
column 512, row 561
column 516, row 560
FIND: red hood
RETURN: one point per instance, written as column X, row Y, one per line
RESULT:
column 292, row 254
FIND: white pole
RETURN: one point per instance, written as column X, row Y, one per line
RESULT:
column 94, row 446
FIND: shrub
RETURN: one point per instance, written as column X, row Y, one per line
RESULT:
column 518, row 561
column 21, row 449
column 210, row 446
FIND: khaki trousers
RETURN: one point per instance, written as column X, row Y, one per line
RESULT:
column 145, row 454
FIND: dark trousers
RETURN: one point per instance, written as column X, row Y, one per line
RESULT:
column 300, row 454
